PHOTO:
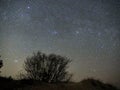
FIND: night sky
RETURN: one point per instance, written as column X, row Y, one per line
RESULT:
column 87, row 31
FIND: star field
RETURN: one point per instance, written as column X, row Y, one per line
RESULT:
column 87, row 31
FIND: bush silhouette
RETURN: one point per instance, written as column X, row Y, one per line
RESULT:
column 1, row 64
column 47, row 68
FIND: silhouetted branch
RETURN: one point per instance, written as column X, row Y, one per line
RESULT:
column 47, row 68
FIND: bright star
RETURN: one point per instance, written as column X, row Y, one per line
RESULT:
column 28, row 7
column 15, row 61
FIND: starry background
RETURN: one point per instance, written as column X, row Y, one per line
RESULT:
column 87, row 31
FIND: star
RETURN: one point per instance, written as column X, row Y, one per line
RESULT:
column 54, row 32
column 16, row 61
column 77, row 32
column 28, row 7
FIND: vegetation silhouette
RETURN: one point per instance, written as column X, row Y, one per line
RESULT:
column 47, row 68
column 1, row 64
column 49, row 72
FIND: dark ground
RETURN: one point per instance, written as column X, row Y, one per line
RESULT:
column 87, row 84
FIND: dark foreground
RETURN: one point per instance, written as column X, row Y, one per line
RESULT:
column 88, row 84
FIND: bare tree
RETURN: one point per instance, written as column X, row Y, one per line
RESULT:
column 1, row 64
column 47, row 68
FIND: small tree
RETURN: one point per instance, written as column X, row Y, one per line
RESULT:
column 47, row 68
column 1, row 64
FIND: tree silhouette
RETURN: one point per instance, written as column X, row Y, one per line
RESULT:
column 47, row 68
column 1, row 64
